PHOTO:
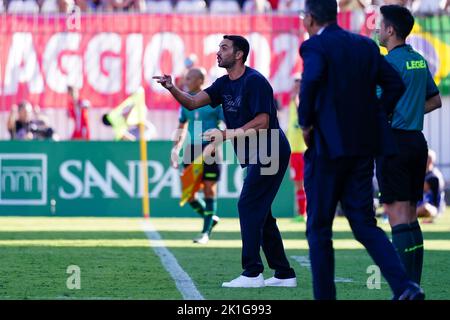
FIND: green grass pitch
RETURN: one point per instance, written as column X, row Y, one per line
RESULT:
column 117, row 262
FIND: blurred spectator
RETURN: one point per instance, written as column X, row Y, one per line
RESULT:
column 256, row 6
column 125, row 5
column 433, row 203
column 66, row 6
column 357, row 10
column 403, row 3
column 350, row 5
column 428, row 7
column 24, row 123
column 291, row 5
column 274, row 4
column 224, row 6
column 82, row 4
column 190, row 6
column 77, row 110
column 95, row 5
column 21, row 6
column 40, row 126
column 19, row 121
column 200, row 6
column 48, row 6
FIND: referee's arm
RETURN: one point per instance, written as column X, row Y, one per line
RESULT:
column 433, row 103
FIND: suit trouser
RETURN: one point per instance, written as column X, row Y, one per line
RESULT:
column 258, row 226
column 348, row 180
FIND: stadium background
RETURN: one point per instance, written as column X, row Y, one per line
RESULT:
column 109, row 55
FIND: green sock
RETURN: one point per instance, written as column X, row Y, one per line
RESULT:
column 210, row 210
column 418, row 251
column 199, row 206
column 406, row 245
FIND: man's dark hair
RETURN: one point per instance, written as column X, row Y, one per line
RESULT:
column 239, row 44
column 400, row 18
column 323, row 11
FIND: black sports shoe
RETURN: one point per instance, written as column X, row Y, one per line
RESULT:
column 412, row 292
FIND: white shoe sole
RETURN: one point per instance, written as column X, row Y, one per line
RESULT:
column 229, row 285
column 288, row 283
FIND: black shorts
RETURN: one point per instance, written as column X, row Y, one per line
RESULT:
column 211, row 172
column 401, row 176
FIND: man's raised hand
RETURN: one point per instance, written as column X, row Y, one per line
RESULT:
column 214, row 135
column 165, row 80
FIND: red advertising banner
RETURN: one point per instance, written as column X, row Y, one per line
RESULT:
column 110, row 56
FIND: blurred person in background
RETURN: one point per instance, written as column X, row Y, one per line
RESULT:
column 427, row 7
column 125, row 5
column 19, row 121
column 291, row 5
column 257, row 6
column 433, row 203
column 298, row 147
column 40, row 126
column 82, row 4
column 95, row 5
column 357, row 12
column 403, row 3
column 126, row 129
column 77, row 110
column 26, row 123
column 66, row 6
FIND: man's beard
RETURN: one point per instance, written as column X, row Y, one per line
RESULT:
column 227, row 64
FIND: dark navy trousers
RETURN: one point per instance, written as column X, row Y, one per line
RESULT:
column 348, row 180
column 258, row 226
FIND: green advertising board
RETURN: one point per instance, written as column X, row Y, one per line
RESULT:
column 103, row 178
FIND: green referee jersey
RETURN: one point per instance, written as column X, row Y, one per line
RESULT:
column 200, row 120
column 420, row 86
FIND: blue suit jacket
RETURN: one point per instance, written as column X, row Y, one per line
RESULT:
column 338, row 94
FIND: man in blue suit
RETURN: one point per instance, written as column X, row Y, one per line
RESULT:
column 345, row 126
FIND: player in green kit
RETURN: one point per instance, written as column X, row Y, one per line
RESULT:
column 193, row 124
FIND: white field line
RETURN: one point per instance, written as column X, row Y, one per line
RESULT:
column 182, row 280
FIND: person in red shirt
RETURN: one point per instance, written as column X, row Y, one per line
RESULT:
column 78, row 111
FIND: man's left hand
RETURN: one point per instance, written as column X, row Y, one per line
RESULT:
column 214, row 135
column 209, row 151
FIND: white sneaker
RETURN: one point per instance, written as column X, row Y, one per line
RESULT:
column 245, row 282
column 275, row 282
column 202, row 239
